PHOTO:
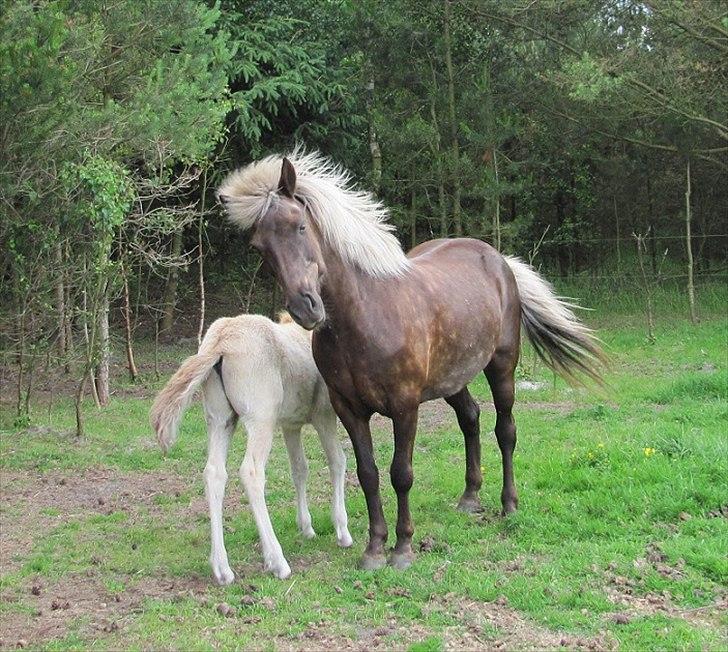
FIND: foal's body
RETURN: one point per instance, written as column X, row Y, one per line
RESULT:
column 399, row 330
column 264, row 374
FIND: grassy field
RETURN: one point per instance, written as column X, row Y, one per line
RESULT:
column 620, row 541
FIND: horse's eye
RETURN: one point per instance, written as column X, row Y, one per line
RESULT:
column 301, row 228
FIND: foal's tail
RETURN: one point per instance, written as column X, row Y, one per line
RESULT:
column 173, row 400
column 563, row 342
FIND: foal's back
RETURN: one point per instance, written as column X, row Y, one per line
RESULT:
column 267, row 368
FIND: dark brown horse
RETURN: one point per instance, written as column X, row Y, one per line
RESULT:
column 393, row 331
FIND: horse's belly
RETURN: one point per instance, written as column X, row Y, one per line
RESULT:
column 457, row 375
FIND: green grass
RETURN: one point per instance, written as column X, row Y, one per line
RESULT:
column 606, row 482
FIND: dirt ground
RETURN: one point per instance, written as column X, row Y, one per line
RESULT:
column 36, row 503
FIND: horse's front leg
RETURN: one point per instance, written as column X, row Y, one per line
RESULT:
column 357, row 426
column 405, row 428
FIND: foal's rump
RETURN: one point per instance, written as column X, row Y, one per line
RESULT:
column 175, row 398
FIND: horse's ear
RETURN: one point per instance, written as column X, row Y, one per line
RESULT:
column 287, row 182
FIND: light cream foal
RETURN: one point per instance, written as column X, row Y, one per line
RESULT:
column 263, row 373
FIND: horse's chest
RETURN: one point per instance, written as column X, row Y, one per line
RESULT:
column 359, row 372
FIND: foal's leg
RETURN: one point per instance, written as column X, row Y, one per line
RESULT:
column 299, row 471
column 221, row 422
column 405, row 427
column 252, row 474
column 500, row 375
column 357, row 426
column 325, row 425
column 468, row 414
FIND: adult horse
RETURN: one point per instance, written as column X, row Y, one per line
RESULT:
column 395, row 330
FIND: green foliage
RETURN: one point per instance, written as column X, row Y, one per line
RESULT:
column 589, row 81
column 101, row 192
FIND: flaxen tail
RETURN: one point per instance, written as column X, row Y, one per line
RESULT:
column 173, row 400
column 563, row 342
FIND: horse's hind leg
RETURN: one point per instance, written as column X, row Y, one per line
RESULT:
column 299, row 472
column 221, row 422
column 468, row 414
column 325, row 425
column 500, row 375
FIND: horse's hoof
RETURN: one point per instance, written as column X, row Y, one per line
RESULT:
column 344, row 540
column 370, row 562
column 509, row 508
column 308, row 533
column 401, row 560
column 470, row 505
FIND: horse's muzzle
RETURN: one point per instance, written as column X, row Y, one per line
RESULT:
column 307, row 310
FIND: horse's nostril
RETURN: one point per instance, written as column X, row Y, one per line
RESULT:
column 311, row 300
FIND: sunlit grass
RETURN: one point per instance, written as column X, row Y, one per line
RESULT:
column 603, row 480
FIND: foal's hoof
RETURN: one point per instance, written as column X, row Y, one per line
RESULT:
column 401, row 560
column 223, row 576
column 279, row 568
column 470, row 505
column 370, row 562
column 344, row 540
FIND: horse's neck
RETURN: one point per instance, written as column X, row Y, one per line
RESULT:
column 345, row 291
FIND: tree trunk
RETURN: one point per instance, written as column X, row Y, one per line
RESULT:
column 561, row 248
column 128, row 332
column 647, row 288
column 454, row 142
column 490, row 156
column 437, row 155
column 200, row 260
column 496, row 212
column 689, row 248
column 102, row 369
column 79, row 410
column 651, row 226
column 90, row 341
column 374, row 148
column 21, row 357
column 619, row 249
column 412, row 209
column 60, row 301
column 169, row 301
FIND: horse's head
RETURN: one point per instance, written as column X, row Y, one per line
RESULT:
column 288, row 240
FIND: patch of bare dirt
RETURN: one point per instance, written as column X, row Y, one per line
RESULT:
column 495, row 625
column 50, row 609
column 635, row 606
column 33, row 503
column 624, row 592
column 480, row 626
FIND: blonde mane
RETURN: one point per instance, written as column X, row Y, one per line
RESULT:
column 352, row 222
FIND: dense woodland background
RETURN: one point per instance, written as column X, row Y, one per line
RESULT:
column 567, row 132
